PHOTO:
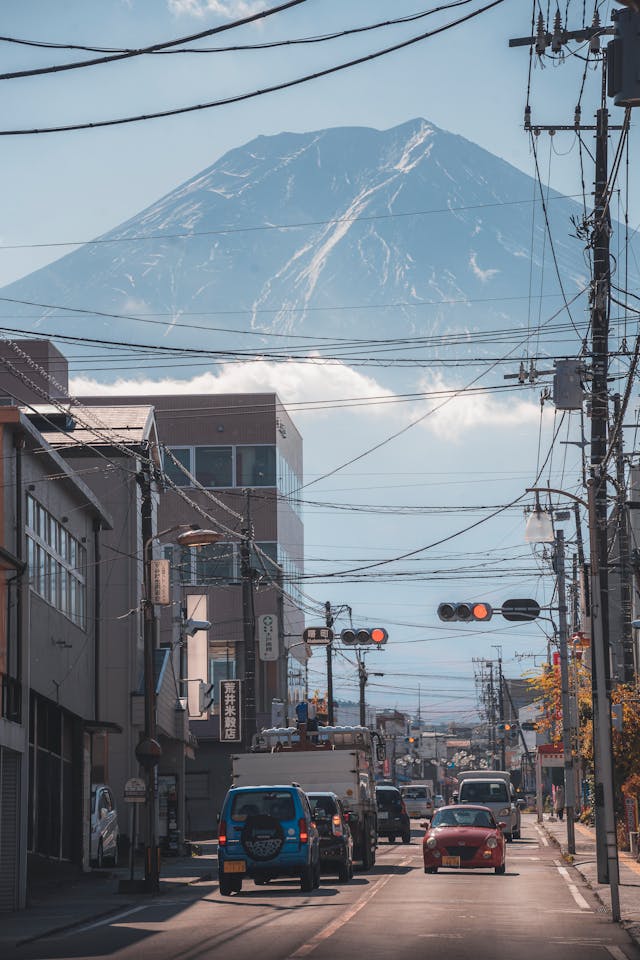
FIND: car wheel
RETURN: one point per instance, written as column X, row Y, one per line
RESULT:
column 368, row 857
column 307, row 879
column 508, row 837
column 316, row 875
column 391, row 838
column 100, row 856
column 344, row 873
column 406, row 837
column 226, row 886
column 502, row 870
column 430, row 869
column 516, row 835
column 261, row 881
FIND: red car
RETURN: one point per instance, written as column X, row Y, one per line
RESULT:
column 464, row 837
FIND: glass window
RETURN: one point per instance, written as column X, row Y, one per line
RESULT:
column 183, row 455
column 214, row 466
column 256, row 466
column 214, row 562
column 271, row 803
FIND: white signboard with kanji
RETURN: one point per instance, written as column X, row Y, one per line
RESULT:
column 160, row 582
column 230, row 711
column 267, row 637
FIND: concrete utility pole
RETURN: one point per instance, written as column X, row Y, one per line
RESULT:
column 567, row 745
column 606, row 841
column 329, row 620
column 248, row 673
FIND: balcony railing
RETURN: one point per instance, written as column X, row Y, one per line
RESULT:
column 11, row 698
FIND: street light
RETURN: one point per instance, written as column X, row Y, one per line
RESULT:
column 148, row 751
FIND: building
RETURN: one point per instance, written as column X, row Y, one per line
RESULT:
column 51, row 525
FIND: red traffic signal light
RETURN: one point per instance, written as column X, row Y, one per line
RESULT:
column 465, row 612
column 365, row 636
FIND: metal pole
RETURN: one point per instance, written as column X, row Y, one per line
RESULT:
column 248, row 626
column 503, row 744
column 567, row 746
column 625, row 641
column 362, row 679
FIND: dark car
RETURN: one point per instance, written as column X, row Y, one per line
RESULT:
column 264, row 833
column 464, row 837
column 393, row 819
column 336, row 843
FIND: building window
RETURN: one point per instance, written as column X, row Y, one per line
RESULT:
column 214, row 563
column 214, row 466
column 256, row 466
column 56, row 562
column 173, row 471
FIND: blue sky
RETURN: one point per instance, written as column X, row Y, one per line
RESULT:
column 74, row 186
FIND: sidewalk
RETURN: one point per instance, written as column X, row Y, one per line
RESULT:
column 60, row 905
column 586, row 865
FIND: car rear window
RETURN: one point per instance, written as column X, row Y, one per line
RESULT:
column 323, row 807
column 415, row 793
column 484, row 791
column 266, row 803
column 388, row 798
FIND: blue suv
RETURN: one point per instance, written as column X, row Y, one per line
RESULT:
column 264, row 833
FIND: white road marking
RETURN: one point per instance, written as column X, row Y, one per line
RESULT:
column 106, row 921
column 616, row 953
column 311, row 945
column 544, row 840
column 573, row 890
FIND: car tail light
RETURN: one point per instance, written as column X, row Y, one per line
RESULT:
column 403, row 807
column 336, row 825
column 222, row 833
column 304, row 833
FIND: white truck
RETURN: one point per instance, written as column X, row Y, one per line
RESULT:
column 493, row 789
column 337, row 759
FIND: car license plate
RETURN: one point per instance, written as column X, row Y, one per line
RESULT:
column 235, row 866
column 383, row 816
column 451, row 861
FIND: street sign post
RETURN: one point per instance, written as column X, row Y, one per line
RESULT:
column 520, row 610
column 321, row 636
column 135, row 791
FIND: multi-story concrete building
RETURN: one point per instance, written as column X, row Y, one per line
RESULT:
column 51, row 524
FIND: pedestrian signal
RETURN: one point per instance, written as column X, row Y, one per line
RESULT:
column 465, row 612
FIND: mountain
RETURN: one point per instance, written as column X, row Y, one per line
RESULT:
column 345, row 232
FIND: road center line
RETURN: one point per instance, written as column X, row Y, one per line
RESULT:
column 311, row 945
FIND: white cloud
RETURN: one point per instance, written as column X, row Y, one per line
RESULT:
column 292, row 380
column 483, row 275
column 230, row 9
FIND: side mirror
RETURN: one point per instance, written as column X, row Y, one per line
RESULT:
column 502, row 824
column 217, row 818
column 424, row 825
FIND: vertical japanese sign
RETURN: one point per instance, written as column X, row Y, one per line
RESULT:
column 268, row 637
column 160, row 582
column 230, row 718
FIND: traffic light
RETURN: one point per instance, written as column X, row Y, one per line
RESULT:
column 507, row 729
column 623, row 56
column 205, row 696
column 372, row 636
column 465, row 612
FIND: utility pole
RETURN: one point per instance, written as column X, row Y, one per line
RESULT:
column 606, row 845
column 248, row 673
column 329, row 620
column 567, row 745
column 503, row 742
column 363, row 677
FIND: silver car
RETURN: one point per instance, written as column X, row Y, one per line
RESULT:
column 105, row 834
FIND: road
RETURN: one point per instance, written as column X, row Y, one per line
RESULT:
column 538, row 911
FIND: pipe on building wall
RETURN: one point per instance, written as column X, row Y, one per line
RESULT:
column 97, row 613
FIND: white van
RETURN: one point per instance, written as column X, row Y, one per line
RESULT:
column 418, row 799
column 493, row 789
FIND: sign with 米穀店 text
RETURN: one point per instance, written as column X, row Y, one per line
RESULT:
column 230, row 711
column 160, row 582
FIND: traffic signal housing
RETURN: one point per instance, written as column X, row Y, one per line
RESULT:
column 465, row 612
column 364, row 636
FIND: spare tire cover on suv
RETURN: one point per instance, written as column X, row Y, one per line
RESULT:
column 262, row 837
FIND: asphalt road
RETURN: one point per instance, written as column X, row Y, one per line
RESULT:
column 539, row 910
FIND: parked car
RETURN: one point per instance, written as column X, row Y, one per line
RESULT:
column 393, row 819
column 464, row 837
column 264, row 833
column 336, row 842
column 418, row 800
column 105, row 833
